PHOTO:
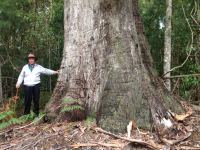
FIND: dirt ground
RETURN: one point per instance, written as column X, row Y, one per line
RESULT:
column 84, row 135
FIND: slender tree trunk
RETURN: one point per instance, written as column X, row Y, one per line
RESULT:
column 1, row 88
column 13, row 83
column 50, row 87
column 167, row 49
column 107, row 66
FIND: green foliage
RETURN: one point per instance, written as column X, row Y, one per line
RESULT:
column 37, row 119
column 188, row 83
column 30, row 26
column 72, row 108
column 10, row 120
column 6, row 114
column 44, row 98
column 4, row 125
column 28, row 117
column 70, row 100
column 7, row 119
column 153, row 13
column 188, row 86
column 70, row 105
column 90, row 120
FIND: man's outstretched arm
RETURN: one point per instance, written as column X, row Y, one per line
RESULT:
column 48, row 71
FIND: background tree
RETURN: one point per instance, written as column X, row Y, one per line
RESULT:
column 167, row 45
column 27, row 26
column 1, row 88
column 153, row 14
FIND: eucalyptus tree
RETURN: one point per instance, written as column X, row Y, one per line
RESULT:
column 107, row 66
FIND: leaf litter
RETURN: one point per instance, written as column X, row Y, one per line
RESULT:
column 81, row 135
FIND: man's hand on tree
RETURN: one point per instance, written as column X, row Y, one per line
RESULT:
column 57, row 71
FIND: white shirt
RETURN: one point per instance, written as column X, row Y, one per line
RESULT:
column 32, row 78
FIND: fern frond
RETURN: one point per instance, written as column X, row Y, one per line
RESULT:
column 37, row 119
column 6, row 114
column 16, row 121
column 70, row 100
column 72, row 108
column 4, row 125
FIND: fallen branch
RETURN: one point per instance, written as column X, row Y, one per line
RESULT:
column 188, row 148
column 83, row 145
column 173, row 142
column 149, row 144
column 22, row 127
column 182, row 76
column 9, row 147
column 96, row 144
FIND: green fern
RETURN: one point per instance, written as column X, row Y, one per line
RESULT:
column 7, row 118
column 72, row 108
column 37, row 119
column 20, row 120
column 12, row 121
column 27, row 117
column 6, row 114
column 16, row 121
column 68, row 107
column 89, row 121
column 4, row 125
column 70, row 100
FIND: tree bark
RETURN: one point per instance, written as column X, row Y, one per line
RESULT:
column 108, row 67
column 167, row 49
column 1, row 86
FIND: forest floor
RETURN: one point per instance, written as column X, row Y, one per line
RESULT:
column 85, row 135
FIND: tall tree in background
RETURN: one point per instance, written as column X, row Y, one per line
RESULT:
column 167, row 45
column 2, row 62
column 26, row 26
column 1, row 87
column 107, row 66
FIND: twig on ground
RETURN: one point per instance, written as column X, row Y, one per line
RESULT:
column 25, row 146
column 173, row 142
column 96, row 144
column 48, row 136
column 149, row 144
column 188, row 148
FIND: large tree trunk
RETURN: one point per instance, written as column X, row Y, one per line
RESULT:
column 167, row 49
column 107, row 66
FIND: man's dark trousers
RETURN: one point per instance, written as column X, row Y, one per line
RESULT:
column 31, row 92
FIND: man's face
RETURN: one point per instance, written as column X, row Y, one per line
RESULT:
column 31, row 61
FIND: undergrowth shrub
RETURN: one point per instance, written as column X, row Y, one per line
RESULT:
column 8, row 115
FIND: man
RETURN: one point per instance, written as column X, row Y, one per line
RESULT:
column 30, row 74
